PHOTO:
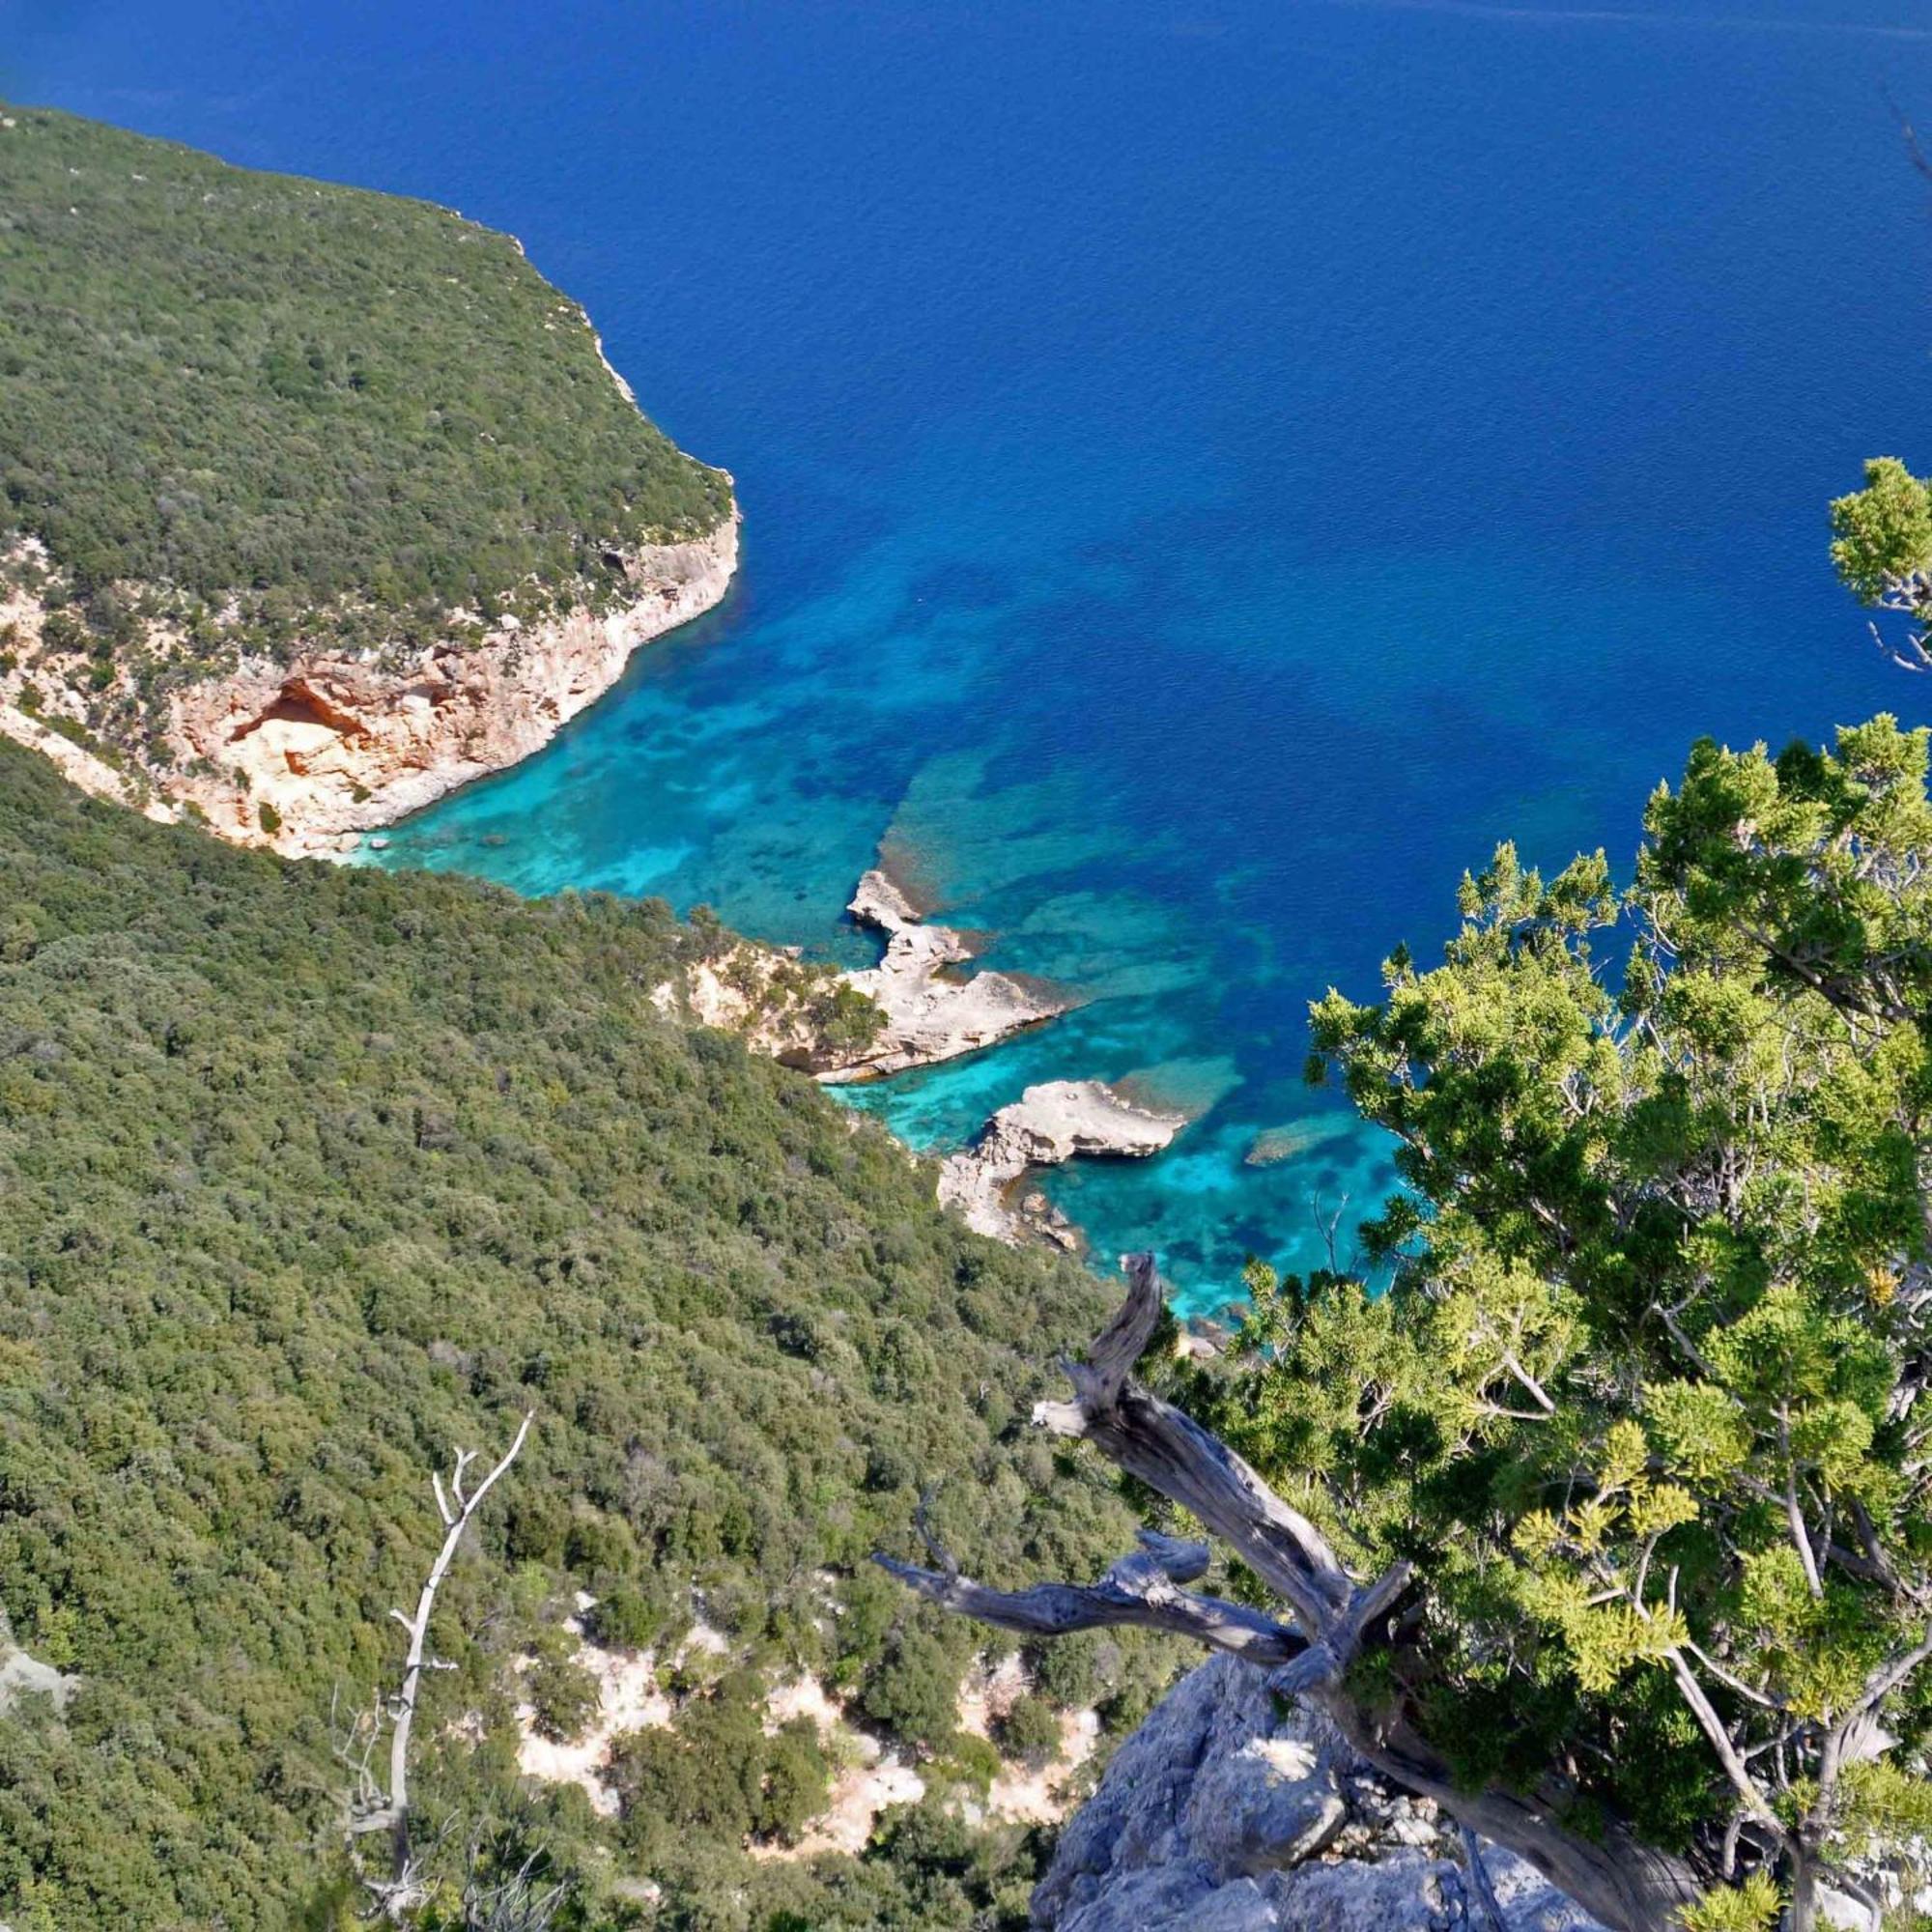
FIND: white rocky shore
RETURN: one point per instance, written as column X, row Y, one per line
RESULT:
column 304, row 755
column 932, row 1016
column 337, row 747
column 926, row 1011
column 1046, row 1127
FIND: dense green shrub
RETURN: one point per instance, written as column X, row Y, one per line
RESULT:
column 563, row 1697
column 248, row 386
column 307, row 1172
column 1029, row 1730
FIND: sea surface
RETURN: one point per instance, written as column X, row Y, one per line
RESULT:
column 1211, row 468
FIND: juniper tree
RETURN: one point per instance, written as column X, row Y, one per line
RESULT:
column 1594, row 1503
column 1882, row 548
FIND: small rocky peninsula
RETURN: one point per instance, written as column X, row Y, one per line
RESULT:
column 911, row 1010
column 915, row 1008
column 1047, row 1126
column 932, row 1016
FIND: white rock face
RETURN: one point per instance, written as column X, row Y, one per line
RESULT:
column 1218, row 1816
column 931, row 1016
column 334, row 746
column 1047, row 1125
column 24, row 1676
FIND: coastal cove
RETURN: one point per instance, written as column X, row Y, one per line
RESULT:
column 1179, row 557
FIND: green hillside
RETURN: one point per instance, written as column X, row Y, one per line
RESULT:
column 308, row 1173
column 248, row 385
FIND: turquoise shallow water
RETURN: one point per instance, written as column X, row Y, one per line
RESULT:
column 1209, row 468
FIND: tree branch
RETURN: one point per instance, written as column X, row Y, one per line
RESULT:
column 370, row 1808
column 1141, row 1589
column 1626, row 1885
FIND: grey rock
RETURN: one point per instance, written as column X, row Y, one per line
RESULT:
column 1224, row 1814
column 1269, row 1802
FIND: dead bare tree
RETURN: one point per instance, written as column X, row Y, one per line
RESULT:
column 497, row 1900
column 371, row 1806
column 1629, row 1886
column 1907, row 593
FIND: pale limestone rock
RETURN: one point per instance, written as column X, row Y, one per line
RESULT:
column 335, row 742
column 24, row 1676
column 929, row 1015
column 1047, row 1125
column 336, row 746
column 1220, row 1815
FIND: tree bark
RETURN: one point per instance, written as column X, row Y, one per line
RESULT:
column 1629, row 1886
column 401, row 1890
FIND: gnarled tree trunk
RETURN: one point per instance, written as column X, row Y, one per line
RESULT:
column 1629, row 1886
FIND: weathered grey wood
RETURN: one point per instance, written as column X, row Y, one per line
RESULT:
column 1142, row 1589
column 370, row 1808
column 1629, row 1886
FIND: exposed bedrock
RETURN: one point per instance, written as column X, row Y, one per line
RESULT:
column 334, row 745
column 1220, row 1814
column 1047, row 1125
column 931, row 1014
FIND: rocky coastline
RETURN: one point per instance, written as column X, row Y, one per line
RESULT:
column 1046, row 1126
column 336, row 747
column 305, row 755
column 930, row 1013
column 917, row 1008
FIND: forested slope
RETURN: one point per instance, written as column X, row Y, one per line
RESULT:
column 306, row 1175
column 247, row 385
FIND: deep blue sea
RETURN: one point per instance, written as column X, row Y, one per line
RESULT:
column 1211, row 466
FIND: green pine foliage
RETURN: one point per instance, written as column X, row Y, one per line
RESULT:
column 303, row 397
column 1882, row 535
column 1642, row 1398
column 307, row 1174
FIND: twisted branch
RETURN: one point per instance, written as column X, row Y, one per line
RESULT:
column 1629, row 1886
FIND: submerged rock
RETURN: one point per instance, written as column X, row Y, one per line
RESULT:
column 1220, row 1814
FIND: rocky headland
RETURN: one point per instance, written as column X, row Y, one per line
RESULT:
column 1047, row 1126
column 931, row 1014
column 914, row 1009
column 306, row 751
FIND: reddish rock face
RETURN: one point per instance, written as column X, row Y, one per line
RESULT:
column 335, row 747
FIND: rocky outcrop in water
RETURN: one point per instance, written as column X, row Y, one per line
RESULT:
column 930, row 1015
column 1047, row 1125
column 1220, row 1814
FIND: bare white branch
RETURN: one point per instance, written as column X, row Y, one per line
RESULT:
column 369, row 1807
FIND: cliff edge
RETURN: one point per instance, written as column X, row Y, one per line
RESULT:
column 320, row 502
column 1223, row 1814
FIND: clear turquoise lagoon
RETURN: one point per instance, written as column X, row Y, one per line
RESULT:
column 1210, row 469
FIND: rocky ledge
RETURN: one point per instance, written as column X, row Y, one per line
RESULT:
column 334, row 746
column 1220, row 1814
column 930, row 1013
column 1046, row 1127
column 307, row 753
column 911, row 1010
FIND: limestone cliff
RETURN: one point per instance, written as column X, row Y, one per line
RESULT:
column 334, row 746
column 306, row 752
